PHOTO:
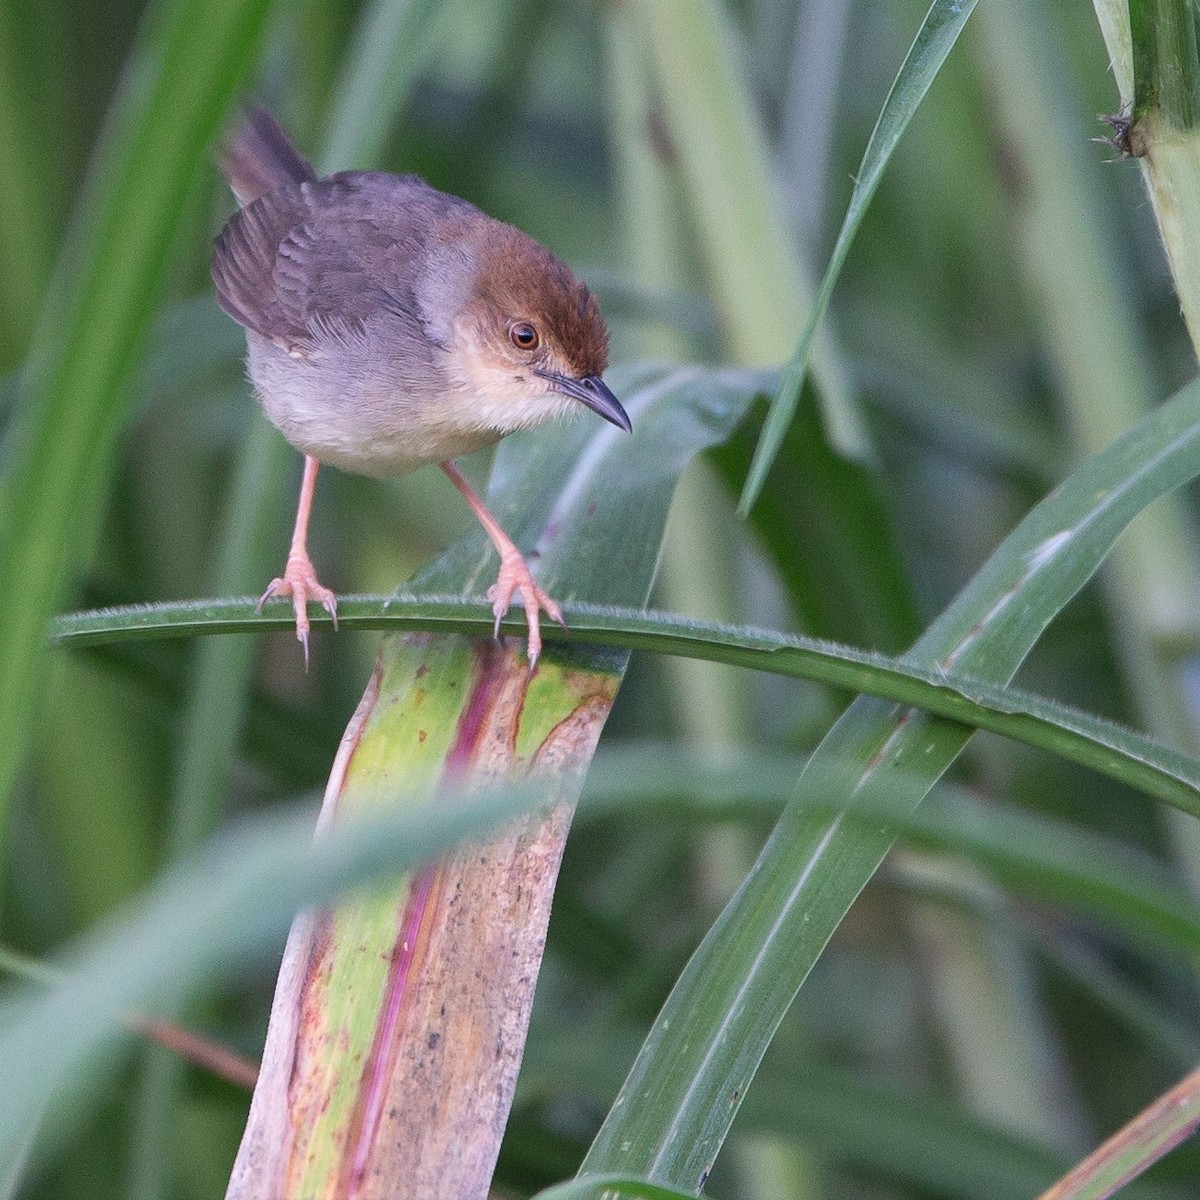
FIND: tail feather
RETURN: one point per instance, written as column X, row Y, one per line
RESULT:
column 260, row 157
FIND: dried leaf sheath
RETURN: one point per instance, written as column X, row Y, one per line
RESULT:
column 399, row 1021
column 331, row 1117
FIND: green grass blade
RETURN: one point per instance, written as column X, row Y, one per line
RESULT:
column 391, row 43
column 217, row 697
column 1035, row 856
column 212, row 722
column 934, row 41
column 192, row 56
column 1111, row 749
column 759, row 284
column 1136, row 1147
column 600, row 1187
column 22, row 211
column 675, row 1111
column 235, row 898
column 222, row 906
column 1032, row 855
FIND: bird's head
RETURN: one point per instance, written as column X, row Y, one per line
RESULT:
column 530, row 338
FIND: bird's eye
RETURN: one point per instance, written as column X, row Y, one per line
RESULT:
column 523, row 336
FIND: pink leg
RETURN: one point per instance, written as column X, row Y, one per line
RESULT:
column 514, row 577
column 299, row 578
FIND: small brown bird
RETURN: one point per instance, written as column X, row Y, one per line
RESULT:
column 390, row 325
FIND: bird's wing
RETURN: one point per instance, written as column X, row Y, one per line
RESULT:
column 308, row 262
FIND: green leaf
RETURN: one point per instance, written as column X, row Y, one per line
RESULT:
column 717, row 147
column 1104, row 746
column 939, row 31
column 191, row 56
column 236, row 898
column 674, row 1111
column 214, row 910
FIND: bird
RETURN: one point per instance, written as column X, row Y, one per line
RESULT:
column 390, row 325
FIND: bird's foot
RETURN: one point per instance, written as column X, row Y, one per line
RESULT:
column 515, row 578
column 299, row 580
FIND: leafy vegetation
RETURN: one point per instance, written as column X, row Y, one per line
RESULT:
column 783, row 1003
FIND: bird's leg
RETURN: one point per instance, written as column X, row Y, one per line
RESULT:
column 515, row 576
column 299, row 578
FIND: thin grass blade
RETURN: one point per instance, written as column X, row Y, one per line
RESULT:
column 1159, row 770
column 229, row 902
column 934, row 41
column 1136, row 1147
column 597, row 1187
column 714, row 135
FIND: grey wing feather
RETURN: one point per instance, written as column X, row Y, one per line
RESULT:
column 321, row 258
column 243, row 264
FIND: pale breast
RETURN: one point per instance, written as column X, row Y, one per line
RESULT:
column 360, row 407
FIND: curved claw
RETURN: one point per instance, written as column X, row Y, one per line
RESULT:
column 515, row 578
column 299, row 580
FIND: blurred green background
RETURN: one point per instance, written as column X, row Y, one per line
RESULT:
column 1005, row 311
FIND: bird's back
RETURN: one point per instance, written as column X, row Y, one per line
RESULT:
column 343, row 285
column 306, row 257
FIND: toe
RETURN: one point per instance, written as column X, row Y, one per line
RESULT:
column 299, row 581
column 533, row 644
column 272, row 590
column 500, row 594
column 300, row 608
column 515, row 578
column 329, row 604
column 553, row 611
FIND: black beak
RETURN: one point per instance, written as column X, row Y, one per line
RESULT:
column 592, row 391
